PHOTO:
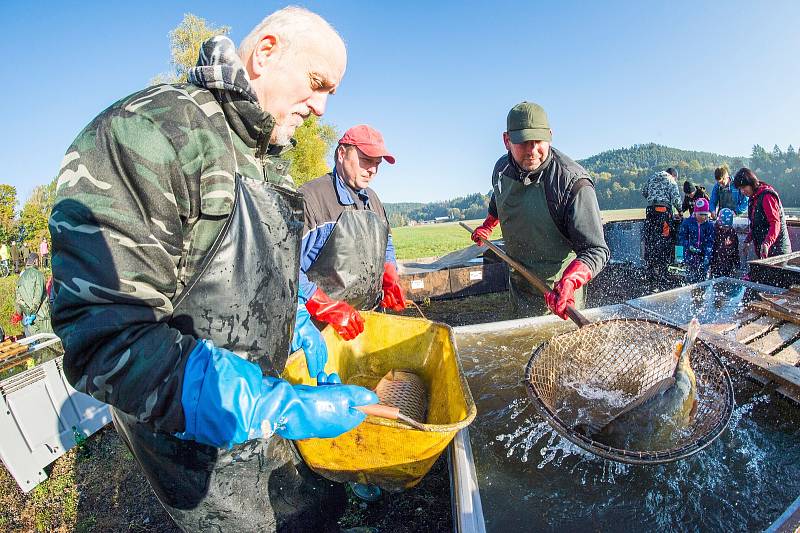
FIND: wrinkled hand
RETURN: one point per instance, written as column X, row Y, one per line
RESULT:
column 308, row 338
column 342, row 317
column 393, row 297
column 484, row 231
column 763, row 251
column 562, row 296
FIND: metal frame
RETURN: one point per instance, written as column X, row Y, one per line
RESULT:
column 465, row 495
column 789, row 521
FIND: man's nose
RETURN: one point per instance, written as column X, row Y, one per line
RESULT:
column 317, row 103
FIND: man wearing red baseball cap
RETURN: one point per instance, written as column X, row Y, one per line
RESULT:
column 347, row 259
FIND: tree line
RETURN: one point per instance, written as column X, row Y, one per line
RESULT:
column 29, row 225
column 464, row 208
column 620, row 174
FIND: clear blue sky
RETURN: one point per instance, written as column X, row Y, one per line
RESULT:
column 437, row 78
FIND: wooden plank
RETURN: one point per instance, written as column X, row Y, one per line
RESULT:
column 774, row 311
column 790, row 354
column 756, row 328
column 741, row 318
column 12, row 350
column 425, row 284
column 14, row 361
column 786, row 303
column 782, row 373
column 786, row 332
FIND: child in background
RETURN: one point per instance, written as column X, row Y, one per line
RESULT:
column 696, row 235
column 725, row 261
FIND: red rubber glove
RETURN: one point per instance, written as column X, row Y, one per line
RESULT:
column 340, row 315
column 16, row 318
column 575, row 276
column 484, row 231
column 392, row 293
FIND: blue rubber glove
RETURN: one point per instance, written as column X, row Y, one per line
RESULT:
column 328, row 379
column 226, row 401
column 27, row 320
column 307, row 336
column 695, row 249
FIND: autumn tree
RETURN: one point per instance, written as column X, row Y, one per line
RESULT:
column 184, row 46
column 8, row 205
column 315, row 139
column 36, row 212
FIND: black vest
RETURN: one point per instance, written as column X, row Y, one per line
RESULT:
column 759, row 225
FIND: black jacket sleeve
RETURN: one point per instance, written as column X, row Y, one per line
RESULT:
column 493, row 206
column 585, row 228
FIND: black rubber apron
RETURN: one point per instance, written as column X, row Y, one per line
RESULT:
column 244, row 298
column 350, row 265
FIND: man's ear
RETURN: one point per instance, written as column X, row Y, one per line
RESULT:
column 506, row 140
column 265, row 49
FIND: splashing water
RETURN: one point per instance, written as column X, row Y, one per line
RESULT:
column 533, row 479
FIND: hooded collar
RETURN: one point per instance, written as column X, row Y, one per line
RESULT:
column 220, row 70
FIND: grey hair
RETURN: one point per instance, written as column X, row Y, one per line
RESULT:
column 286, row 23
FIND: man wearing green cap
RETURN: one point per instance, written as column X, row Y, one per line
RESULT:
column 546, row 206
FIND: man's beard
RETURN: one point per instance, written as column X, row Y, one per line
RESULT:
column 282, row 134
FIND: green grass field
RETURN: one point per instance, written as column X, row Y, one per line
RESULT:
column 435, row 240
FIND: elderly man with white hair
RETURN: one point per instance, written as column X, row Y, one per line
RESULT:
column 176, row 233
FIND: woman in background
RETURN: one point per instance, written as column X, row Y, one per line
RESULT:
column 768, row 230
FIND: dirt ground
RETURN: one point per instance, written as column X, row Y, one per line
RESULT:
column 97, row 486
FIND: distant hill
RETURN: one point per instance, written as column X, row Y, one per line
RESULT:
column 620, row 174
column 654, row 156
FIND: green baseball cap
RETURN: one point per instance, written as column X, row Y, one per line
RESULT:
column 528, row 122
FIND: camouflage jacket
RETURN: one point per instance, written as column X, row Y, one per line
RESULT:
column 662, row 189
column 142, row 193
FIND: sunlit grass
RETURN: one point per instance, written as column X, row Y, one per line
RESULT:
column 436, row 240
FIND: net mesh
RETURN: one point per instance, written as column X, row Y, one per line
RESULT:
column 406, row 391
column 592, row 373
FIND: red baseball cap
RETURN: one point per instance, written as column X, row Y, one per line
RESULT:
column 369, row 140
